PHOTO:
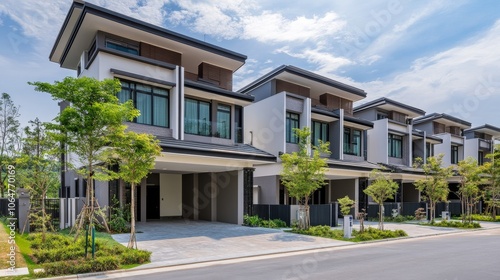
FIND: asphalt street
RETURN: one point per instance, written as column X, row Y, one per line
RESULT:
column 470, row 255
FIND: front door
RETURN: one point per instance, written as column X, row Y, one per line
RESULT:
column 153, row 202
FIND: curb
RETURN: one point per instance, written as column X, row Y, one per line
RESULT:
column 139, row 269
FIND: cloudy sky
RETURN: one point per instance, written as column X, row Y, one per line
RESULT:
column 440, row 56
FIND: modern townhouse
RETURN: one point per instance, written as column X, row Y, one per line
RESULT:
column 480, row 141
column 394, row 143
column 450, row 130
column 289, row 97
column 183, row 89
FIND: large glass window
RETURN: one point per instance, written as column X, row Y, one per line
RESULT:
column 223, row 121
column 352, row 141
column 480, row 158
column 319, row 132
column 122, row 46
column 197, row 117
column 151, row 101
column 292, row 122
column 238, row 124
column 454, row 154
column 395, row 146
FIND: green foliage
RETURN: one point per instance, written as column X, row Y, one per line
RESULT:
column 59, row 251
column 468, row 191
column 9, row 136
column 118, row 217
column 485, row 218
column 381, row 189
column 304, row 171
column 454, row 224
column 345, row 205
column 88, row 125
column 397, row 219
column 492, row 189
column 368, row 234
column 255, row 221
column 434, row 186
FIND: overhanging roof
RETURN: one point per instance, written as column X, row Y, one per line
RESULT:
column 318, row 84
column 443, row 118
column 390, row 105
column 486, row 129
column 85, row 19
column 237, row 151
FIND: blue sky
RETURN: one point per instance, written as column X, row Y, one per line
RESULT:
column 440, row 56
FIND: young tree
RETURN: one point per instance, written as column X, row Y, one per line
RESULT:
column 86, row 128
column 381, row 189
column 38, row 165
column 304, row 172
column 136, row 155
column 9, row 135
column 468, row 190
column 435, row 184
column 492, row 189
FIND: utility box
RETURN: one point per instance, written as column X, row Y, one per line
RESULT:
column 445, row 215
column 348, row 220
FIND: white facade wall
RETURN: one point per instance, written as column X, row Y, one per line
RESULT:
column 377, row 142
column 444, row 148
column 264, row 124
column 471, row 148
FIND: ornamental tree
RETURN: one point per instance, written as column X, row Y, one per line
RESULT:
column 135, row 154
column 470, row 179
column 304, row 172
column 435, row 184
column 86, row 127
column 381, row 189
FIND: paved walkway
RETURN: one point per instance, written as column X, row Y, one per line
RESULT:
column 182, row 242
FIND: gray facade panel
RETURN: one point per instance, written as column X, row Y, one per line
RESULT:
column 227, row 197
column 148, row 129
column 269, row 189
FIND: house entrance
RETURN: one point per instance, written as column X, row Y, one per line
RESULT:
column 153, row 202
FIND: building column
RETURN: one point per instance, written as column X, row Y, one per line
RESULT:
column 248, row 190
column 362, row 197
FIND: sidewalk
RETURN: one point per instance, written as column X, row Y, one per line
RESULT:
column 235, row 242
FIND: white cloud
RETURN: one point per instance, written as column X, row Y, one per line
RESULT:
column 456, row 81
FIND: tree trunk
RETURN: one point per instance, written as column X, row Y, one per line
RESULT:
column 132, row 242
column 44, row 229
column 381, row 216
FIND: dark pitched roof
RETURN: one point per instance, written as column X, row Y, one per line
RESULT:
column 356, row 165
column 325, row 112
column 435, row 116
column 153, row 29
column 421, row 134
column 238, row 151
column 358, row 121
column 384, row 100
column 306, row 74
column 484, row 126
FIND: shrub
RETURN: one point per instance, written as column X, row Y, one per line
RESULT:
column 485, row 218
column 455, row 224
column 255, row 221
column 368, row 234
column 119, row 217
column 75, row 267
column 135, row 257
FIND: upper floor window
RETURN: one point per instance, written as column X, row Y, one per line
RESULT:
column 292, row 122
column 395, row 146
column 319, row 132
column 382, row 115
column 352, row 141
column 197, row 117
column 223, row 121
column 238, row 124
column 122, row 46
column 454, row 154
column 151, row 101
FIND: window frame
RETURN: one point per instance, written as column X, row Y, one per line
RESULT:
column 349, row 146
column 322, row 127
column 392, row 147
column 133, row 96
column 229, row 111
column 290, row 133
column 454, row 154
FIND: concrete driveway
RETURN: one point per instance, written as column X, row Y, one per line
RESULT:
column 181, row 242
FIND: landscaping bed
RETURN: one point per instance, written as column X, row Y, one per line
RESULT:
column 368, row 234
column 453, row 224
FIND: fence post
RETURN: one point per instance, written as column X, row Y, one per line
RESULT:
column 23, row 211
